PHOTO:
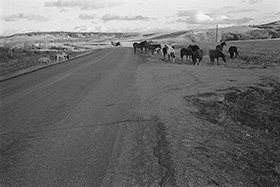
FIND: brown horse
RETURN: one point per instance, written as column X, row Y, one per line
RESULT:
column 221, row 46
column 214, row 53
column 193, row 47
column 186, row 52
column 140, row 46
column 152, row 47
column 197, row 57
column 116, row 44
column 233, row 52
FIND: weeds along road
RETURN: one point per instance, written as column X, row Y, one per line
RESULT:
column 73, row 124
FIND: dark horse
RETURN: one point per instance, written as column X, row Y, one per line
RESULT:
column 221, row 46
column 140, row 45
column 233, row 52
column 186, row 52
column 193, row 47
column 214, row 53
column 152, row 47
column 116, row 44
column 197, row 55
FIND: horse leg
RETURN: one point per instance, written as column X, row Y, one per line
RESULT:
column 195, row 62
column 199, row 61
column 236, row 54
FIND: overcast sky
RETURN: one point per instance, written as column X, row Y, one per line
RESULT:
column 132, row 15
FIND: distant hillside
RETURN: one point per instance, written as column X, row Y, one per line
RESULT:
column 226, row 34
column 63, row 36
column 273, row 25
column 263, row 31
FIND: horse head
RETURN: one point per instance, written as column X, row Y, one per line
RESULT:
column 223, row 43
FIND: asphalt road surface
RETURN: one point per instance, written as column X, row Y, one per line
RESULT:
column 74, row 124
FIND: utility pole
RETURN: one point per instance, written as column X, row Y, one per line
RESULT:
column 217, row 33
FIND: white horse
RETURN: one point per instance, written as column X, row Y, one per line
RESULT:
column 44, row 60
column 169, row 50
column 62, row 56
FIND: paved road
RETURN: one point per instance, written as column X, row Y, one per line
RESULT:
column 74, row 124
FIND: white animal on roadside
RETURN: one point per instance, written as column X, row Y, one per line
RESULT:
column 44, row 60
column 169, row 50
column 62, row 56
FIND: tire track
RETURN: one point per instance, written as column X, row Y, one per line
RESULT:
column 161, row 151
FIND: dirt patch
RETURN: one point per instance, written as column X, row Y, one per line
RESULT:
column 201, row 137
column 250, row 119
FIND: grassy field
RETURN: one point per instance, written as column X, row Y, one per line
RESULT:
column 253, row 53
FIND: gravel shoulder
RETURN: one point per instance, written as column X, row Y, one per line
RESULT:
column 197, row 147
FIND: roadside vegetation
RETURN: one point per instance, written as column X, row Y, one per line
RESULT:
column 22, row 59
column 250, row 122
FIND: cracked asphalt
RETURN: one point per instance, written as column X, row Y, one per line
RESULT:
column 76, row 124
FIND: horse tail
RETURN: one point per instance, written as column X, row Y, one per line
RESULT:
column 199, row 54
column 236, row 53
column 220, row 53
column 182, row 53
column 134, row 47
column 211, row 55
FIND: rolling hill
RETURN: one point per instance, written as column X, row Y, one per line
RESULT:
column 263, row 31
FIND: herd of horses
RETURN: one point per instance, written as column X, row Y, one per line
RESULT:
column 58, row 57
column 191, row 52
column 165, row 49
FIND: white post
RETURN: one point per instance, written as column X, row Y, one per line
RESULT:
column 217, row 33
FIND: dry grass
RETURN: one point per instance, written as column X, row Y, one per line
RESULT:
column 253, row 53
column 25, row 59
column 249, row 144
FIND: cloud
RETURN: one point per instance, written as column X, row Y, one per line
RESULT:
column 233, row 11
column 111, row 17
column 83, row 28
column 251, row 1
column 255, row 1
column 195, row 17
column 23, row 16
column 80, row 28
column 228, row 10
column 83, row 5
column 87, row 16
